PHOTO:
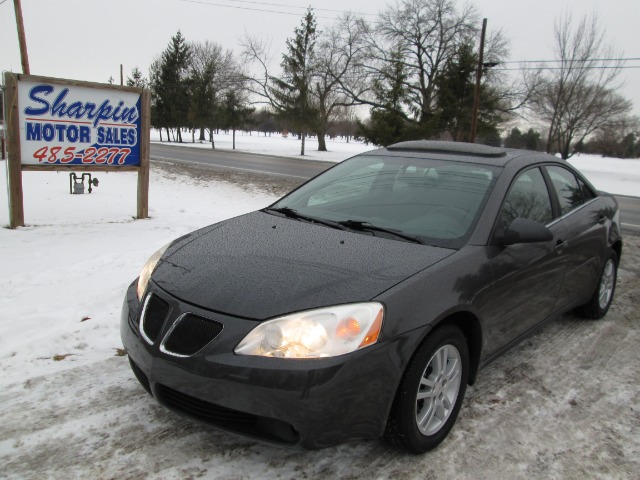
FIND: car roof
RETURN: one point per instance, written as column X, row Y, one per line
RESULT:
column 463, row 152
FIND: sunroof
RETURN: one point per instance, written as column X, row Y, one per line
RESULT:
column 472, row 149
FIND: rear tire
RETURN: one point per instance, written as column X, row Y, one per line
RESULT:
column 602, row 296
column 431, row 392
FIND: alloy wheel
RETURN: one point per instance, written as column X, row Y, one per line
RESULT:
column 606, row 284
column 438, row 389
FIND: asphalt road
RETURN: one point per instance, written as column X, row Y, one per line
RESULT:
column 303, row 169
column 244, row 162
column 629, row 214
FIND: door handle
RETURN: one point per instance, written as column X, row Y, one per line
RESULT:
column 560, row 245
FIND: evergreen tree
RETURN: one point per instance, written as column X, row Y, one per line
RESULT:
column 202, row 108
column 580, row 147
column 265, row 122
column 159, row 110
column 291, row 93
column 454, row 95
column 514, row 139
column 136, row 79
column 235, row 112
column 529, row 140
column 387, row 123
column 455, row 91
column 532, row 140
column 490, row 136
column 628, row 146
column 171, row 85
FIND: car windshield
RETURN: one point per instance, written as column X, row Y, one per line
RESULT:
column 431, row 201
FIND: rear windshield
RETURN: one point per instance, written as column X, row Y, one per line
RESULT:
column 438, row 202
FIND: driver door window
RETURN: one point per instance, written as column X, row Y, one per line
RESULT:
column 528, row 198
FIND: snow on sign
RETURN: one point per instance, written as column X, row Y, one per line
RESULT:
column 65, row 124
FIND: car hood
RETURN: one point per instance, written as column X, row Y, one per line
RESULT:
column 259, row 266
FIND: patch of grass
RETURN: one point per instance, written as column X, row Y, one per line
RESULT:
column 58, row 358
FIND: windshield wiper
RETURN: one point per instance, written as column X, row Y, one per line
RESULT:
column 291, row 213
column 368, row 227
column 286, row 211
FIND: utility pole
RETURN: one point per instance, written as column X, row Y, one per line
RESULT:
column 121, row 76
column 24, row 57
column 476, row 94
column 3, row 155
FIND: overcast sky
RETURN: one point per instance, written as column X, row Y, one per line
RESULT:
column 89, row 39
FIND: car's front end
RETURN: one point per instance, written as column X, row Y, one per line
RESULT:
column 308, row 403
column 269, row 327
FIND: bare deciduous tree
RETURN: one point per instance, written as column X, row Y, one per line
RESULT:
column 580, row 95
column 423, row 39
column 337, row 50
column 425, row 34
column 213, row 72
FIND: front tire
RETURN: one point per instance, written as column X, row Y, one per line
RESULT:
column 602, row 296
column 431, row 392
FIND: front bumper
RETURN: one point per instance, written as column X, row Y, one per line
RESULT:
column 310, row 403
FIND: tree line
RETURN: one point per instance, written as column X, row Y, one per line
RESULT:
column 414, row 69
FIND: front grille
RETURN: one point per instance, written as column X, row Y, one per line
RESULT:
column 234, row 420
column 200, row 409
column 142, row 378
column 154, row 313
column 190, row 334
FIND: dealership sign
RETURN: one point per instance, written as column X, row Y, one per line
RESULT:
column 74, row 125
column 55, row 124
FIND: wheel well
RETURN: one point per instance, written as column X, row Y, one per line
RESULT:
column 470, row 326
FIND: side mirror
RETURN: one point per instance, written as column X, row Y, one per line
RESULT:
column 523, row 230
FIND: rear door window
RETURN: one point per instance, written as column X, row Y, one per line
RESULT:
column 570, row 193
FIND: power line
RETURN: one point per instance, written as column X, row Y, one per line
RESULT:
column 252, row 9
column 293, row 6
column 598, row 67
column 576, row 60
column 202, row 2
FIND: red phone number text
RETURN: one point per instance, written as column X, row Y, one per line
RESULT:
column 103, row 155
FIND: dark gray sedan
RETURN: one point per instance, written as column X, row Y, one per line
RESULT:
column 363, row 303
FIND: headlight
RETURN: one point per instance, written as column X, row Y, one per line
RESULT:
column 148, row 269
column 326, row 332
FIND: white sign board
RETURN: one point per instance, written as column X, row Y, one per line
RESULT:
column 63, row 124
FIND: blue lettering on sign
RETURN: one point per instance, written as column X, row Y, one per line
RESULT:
column 33, row 95
column 78, row 110
column 72, row 133
column 34, row 131
column 48, row 132
column 117, row 136
column 61, row 133
column 85, row 134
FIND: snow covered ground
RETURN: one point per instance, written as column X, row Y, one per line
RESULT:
column 276, row 144
column 563, row 404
